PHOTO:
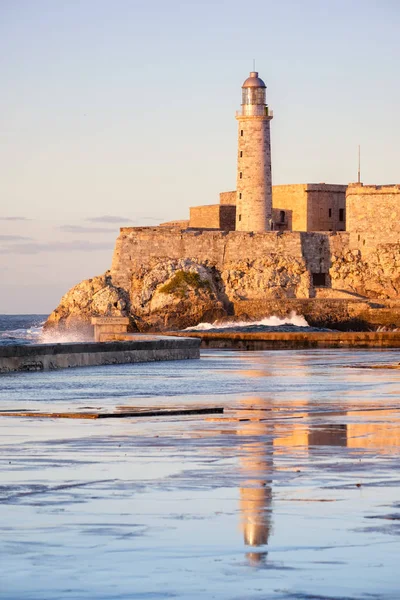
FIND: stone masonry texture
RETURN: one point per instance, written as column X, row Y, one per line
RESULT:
column 213, row 216
column 374, row 209
column 254, row 183
column 228, row 198
column 303, row 206
column 365, row 264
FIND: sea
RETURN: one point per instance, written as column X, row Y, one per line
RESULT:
column 28, row 329
column 21, row 329
column 291, row 493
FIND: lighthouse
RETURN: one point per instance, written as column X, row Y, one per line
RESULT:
column 254, row 181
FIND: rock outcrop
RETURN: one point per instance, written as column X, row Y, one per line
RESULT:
column 92, row 297
column 168, row 294
column 175, row 294
column 234, row 274
column 375, row 275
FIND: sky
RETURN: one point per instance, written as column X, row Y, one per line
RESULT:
column 122, row 112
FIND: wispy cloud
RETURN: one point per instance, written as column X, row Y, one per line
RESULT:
column 109, row 219
column 14, row 219
column 73, row 246
column 13, row 238
column 83, row 229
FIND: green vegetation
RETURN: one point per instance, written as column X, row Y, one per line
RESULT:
column 182, row 281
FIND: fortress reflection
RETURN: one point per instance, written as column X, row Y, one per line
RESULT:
column 266, row 436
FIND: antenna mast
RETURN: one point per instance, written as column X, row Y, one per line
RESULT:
column 359, row 165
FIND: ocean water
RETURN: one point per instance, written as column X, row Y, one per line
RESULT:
column 291, row 493
column 21, row 329
column 27, row 329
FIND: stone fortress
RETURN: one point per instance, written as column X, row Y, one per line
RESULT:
column 330, row 252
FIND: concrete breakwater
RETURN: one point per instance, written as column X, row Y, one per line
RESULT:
column 43, row 357
column 296, row 340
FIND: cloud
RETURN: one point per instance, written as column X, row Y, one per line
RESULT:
column 82, row 229
column 13, row 238
column 14, row 219
column 74, row 246
column 109, row 219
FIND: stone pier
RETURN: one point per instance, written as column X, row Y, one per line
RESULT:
column 48, row 357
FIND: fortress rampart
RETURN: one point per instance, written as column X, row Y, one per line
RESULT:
column 138, row 246
column 374, row 209
column 365, row 263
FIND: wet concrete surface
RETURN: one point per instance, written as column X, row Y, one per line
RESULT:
column 292, row 493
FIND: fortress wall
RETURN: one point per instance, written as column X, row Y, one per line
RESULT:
column 213, row 216
column 368, row 266
column 322, row 201
column 228, row 198
column 374, row 209
column 204, row 216
column 293, row 200
column 138, row 246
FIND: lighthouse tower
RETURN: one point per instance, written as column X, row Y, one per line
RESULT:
column 254, row 183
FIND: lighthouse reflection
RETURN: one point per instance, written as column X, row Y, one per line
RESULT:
column 256, row 466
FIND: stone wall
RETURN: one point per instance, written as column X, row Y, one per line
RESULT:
column 213, row 216
column 292, row 199
column 355, row 263
column 309, row 207
column 228, row 198
column 374, row 209
column 180, row 224
column 137, row 247
column 326, row 207
column 49, row 357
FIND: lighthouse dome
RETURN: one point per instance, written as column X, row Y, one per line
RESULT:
column 254, row 81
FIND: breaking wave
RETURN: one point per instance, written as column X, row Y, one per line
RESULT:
column 293, row 321
column 21, row 329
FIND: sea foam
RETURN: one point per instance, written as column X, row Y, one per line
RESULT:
column 271, row 321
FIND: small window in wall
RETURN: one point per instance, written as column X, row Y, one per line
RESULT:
column 341, row 214
column 240, row 197
column 240, row 175
column 241, row 153
column 282, row 216
column 319, row 279
column 241, row 132
column 330, row 212
column 240, row 217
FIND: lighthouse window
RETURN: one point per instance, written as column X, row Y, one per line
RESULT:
column 240, row 197
column 241, row 154
column 241, row 132
column 240, row 175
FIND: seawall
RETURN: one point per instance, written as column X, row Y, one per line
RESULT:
column 294, row 341
column 47, row 357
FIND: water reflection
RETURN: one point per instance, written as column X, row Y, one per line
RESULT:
column 256, row 464
column 267, row 435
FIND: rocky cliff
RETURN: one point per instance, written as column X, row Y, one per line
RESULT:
column 174, row 294
column 156, row 285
